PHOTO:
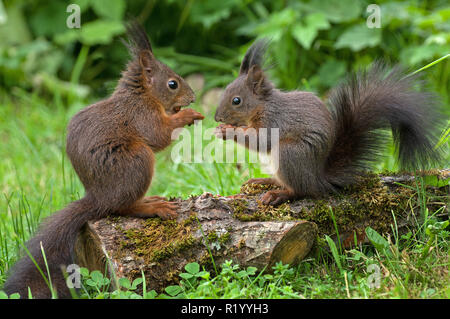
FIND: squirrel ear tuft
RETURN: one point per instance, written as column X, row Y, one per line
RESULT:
column 138, row 40
column 254, row 56
column 256, row 81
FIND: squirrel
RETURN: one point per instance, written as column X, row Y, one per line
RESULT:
column 323, row 150
column 111, row 146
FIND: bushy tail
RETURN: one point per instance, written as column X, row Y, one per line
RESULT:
column 375, row 100
column 57, row 234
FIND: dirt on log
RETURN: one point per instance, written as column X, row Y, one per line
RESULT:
column 211, row 228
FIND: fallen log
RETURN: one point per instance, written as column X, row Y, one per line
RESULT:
column 210, row 228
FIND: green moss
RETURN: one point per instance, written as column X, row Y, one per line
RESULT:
column 368, row 202
column 212, row 236
column 159, row 240
column 224, row 238
column 263, row 213
column 221, row 239
column 192, row 219
column 114, row 219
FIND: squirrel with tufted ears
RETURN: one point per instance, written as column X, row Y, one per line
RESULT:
column 111, row 145
column 322, row 150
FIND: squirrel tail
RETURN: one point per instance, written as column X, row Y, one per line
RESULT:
column 57, row 234
column 375, row 100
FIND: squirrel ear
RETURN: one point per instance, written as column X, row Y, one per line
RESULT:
column 256, row 80
column 245, row 65
column 254, row 56
column 146, row 59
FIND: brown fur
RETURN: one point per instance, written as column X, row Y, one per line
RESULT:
column 111, row 145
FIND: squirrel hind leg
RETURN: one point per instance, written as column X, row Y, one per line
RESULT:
column 151, row 207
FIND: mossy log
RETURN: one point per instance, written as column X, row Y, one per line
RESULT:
column 240, row 228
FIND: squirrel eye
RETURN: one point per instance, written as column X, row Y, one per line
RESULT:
column 236, row 101
column 172, row 84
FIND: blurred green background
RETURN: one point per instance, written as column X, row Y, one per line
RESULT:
column 314, row 43
column 48, row 72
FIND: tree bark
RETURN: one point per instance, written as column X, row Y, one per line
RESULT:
column 210, row 229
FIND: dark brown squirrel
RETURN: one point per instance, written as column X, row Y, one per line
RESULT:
column 111, row 145
column 322, row 150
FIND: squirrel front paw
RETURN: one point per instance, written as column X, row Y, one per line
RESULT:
column 221, row 131
column 189, row 116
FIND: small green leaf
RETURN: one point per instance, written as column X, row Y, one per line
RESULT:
column 203, row 274
column 334, row 252
column 71, row 35
column 100, row 31
column 192, row 268
column 97, row 277
column 359, row 37
column 276, row 24
column 151, row 294
column 173, row 290
column 209, row 13
column 84, row 272
column 105, row 281
column 251, row 270
column 110, row 9
column 125, row 283
column 380, row 243
column 91, row 283
column 435, row 181
column 336, row 10
column 136, row 283
column 306, row 31
column 186, row 276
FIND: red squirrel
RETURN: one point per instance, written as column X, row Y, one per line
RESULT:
column 111, row 146
column 322, row 150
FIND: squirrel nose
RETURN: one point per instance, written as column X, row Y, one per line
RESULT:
column 218, row 118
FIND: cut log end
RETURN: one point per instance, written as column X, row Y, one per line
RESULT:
column 295, row 245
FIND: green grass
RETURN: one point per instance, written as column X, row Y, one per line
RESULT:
column 37, row 180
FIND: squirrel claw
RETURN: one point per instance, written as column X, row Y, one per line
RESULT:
column 167, row 210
